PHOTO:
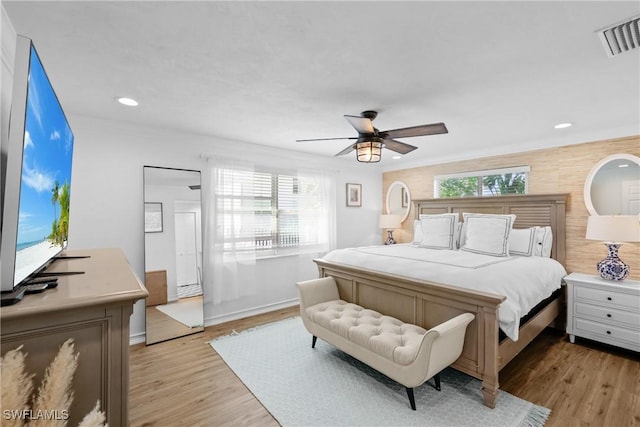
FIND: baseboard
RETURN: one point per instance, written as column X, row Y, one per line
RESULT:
column 216, row 320
column 138, row 338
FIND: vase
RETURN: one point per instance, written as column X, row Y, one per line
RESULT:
column 612, row 267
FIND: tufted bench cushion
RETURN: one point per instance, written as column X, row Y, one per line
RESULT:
column 383, row 335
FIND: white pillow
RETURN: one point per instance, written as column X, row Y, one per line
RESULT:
column 487, row 234
column 417, row 232
column 438, row 231
column 522, row 241
column 534, row 241
column 458, row 235
column 544, row 240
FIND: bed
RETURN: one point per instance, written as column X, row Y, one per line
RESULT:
column 429, row 302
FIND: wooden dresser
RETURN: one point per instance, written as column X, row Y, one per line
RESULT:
column 92, row 308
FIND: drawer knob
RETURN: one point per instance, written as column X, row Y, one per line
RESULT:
column 608, row 315
column 609, row 332
column 609, row 298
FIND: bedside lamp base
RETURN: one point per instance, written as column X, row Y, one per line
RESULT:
column 612, row 267
column 390, row 240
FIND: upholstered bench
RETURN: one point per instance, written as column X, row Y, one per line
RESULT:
column 404, row 352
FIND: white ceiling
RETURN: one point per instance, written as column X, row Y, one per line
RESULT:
column 499, row 74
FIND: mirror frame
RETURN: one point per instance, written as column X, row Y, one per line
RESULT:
column 594, row 171
column 388, row 198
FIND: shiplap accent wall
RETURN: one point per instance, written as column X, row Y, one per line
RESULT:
column 553, row 170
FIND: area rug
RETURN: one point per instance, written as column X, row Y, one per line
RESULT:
column 301, row 386
column 187, row 311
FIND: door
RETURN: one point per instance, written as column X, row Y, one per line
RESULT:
column 630, row 197
column 186, row 248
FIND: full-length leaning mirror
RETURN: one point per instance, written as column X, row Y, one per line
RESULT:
column 613, row 186
column 172, row 253
column 398, row 199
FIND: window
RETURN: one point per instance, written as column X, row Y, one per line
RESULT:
column 493, row 182
column 270, row 212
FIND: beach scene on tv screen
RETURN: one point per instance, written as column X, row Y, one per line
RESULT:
column 43, row 219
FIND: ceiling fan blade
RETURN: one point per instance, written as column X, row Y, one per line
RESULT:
column 397, row 146
column 361, row 124
column 326, row 139
column 346, row 150
column 422, row 130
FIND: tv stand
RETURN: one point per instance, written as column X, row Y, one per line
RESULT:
column 62, row 273
column 58, row 273
column 92, row 308
column 70, row 257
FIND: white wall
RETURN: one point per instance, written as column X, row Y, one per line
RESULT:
column 107, row 203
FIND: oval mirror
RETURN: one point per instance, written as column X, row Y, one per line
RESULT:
column 613, row 186
column 398, row 199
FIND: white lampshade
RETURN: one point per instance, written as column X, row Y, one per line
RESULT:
column 614, row 228
column 390, row 221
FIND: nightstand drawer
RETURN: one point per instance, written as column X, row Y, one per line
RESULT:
column 606, row 331
column 607, row 314
column 608, row 297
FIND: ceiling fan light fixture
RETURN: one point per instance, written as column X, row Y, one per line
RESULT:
column 369, row 151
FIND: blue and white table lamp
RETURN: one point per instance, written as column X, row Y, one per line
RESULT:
column 613, row 230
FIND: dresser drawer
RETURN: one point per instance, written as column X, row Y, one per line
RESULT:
column 607, row 314
column 604, row 296
column 606, row 331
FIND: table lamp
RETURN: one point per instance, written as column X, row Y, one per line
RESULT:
column 390, row 222
column 613, row 230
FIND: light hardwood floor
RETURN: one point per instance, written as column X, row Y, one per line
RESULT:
column 183, row 382
column 161, row 327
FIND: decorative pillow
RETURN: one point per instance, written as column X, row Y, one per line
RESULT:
column 458, row 235
column 523, row 241
column 487, row 234
column 534, row 241
column 417, row 232
column 544, row 240
column 438, row 231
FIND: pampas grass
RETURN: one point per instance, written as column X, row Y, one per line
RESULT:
column 16, row 385
column 55, row 393
column 95, row 418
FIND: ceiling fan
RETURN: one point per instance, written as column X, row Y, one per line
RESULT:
column 370, row 141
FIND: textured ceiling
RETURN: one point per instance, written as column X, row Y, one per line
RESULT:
column 499, row 74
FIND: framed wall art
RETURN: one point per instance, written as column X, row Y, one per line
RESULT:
column 354, row 195
column 153, row 217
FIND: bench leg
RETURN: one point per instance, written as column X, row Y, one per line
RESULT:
column 313, row 341
column 436, row 378
column 412, row 399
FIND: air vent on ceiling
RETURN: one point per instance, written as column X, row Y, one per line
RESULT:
column 621, row 37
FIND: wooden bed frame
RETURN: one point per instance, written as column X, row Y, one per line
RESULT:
column 427, row 304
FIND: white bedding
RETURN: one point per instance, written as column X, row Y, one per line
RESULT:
column 525, row 281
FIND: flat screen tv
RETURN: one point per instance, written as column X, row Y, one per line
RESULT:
column 37, row 152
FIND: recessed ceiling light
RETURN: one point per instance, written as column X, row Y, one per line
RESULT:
column 563, row 125
column 127, row 101
column 396, row 157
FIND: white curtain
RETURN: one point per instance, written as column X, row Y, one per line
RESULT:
column 241, row 225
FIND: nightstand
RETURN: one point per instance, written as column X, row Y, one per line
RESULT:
column 603, row 310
